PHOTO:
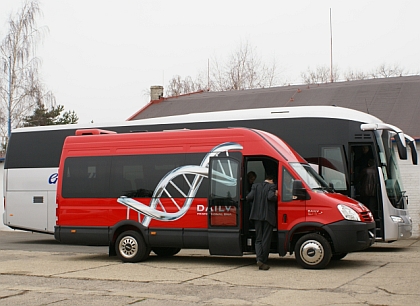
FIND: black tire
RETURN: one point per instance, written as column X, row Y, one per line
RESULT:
column 338, row 256
column 312, row 251
column 130, row 247
column 165, row 252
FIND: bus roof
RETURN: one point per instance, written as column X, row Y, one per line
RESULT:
column 242, row 114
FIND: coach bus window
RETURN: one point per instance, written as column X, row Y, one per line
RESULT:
column 390, row 169
column 332, row 167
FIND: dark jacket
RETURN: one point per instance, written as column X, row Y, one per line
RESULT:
column 368, row 182
column 264, row 202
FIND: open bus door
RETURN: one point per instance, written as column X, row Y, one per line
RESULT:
column 363, row 161
column 223, row 212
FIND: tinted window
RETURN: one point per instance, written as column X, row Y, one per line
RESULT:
column 333, row 167
column 131, row 176
column 35, row 149
column 86, row 177
column 139, row 175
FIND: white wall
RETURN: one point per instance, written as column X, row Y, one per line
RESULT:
column 411, row 179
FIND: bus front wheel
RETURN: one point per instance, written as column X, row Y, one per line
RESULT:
column 312, row 251
column 130, row 247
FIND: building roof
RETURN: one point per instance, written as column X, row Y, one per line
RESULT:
column 395, row 101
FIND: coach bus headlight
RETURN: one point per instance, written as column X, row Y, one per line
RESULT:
column 397, row 219
column 348, row 213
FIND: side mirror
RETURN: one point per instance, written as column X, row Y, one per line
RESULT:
column 412, row 144
column 299, row 192
column 402, row 149
column 413, row 149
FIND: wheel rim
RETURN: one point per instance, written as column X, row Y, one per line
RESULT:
column 128, row 247
column 312, row 252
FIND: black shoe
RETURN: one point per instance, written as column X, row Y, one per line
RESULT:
column 264, row 267
column 259, row 264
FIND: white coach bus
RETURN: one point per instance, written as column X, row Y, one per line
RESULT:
column 336, row 141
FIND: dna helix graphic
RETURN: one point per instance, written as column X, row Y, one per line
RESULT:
column 202, row 171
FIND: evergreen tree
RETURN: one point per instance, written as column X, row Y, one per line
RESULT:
column 43, row 116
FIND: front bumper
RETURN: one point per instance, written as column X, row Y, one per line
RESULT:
column 351, row 236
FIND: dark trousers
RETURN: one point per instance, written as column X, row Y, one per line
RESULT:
column 263, row 233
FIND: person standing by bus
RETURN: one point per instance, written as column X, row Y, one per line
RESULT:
column 252, row 176
column 368, row 184
column 263, row 214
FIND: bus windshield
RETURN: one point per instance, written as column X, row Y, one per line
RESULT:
column 390, row 169
column 310, row 176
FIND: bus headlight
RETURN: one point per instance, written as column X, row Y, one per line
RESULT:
column 397, row 219
column 348, row 213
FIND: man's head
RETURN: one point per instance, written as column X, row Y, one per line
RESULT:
column 269, row 176
column 251, row 177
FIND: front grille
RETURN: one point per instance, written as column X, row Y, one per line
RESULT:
column 366, row 216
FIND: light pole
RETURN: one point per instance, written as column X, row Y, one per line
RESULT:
column 331, row 52
column 9, row 122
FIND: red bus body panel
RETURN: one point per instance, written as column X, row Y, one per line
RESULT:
column 318, row 213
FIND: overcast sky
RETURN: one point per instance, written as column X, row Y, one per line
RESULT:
column 101, row 57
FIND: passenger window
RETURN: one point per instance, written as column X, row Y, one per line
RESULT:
column 86, row 177
column 287, row 186
column 131, row 176
column 138, row 175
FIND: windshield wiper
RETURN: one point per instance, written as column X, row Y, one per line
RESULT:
column 324, row 188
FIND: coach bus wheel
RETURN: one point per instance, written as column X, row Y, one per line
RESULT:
column 312, row 251
column 338, row 256
column 130, row 247
column 166, row 252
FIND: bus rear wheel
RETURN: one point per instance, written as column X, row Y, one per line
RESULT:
column 165, row 252
column 312, row 251
column 130, row 247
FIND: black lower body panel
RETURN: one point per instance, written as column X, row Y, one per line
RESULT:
column 350, row 236
column 82, row 235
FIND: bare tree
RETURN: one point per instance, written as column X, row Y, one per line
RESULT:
column 322, row 74
column 388, row 71
column 244, row 69
column 21, row 89
column 352, row 75
column 178, row 86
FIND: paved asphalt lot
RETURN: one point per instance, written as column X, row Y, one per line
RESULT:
column 36, row 270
